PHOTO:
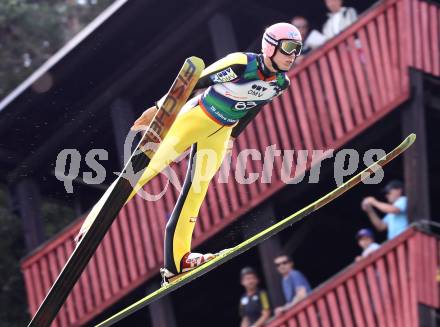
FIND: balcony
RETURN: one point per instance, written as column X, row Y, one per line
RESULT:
column 384, row 289
column 337, row 92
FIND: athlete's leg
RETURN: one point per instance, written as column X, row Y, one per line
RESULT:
column 185, row 131
column 206, row 157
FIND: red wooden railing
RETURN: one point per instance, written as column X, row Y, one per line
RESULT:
column 382, row 290
column 337, row 92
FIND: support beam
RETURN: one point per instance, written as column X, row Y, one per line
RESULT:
column 222, row 35
column 122, row 118
column 161, row 311
column 27, row 201
column 427, row 316
column 415, row 160
column 268, row 250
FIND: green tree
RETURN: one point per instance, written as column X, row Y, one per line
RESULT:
column 12, row 248
column 33, row 30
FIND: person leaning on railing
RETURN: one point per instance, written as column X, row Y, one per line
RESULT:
column 395, row 220
column 312, row 39
column 295, row 284
column 339, row 18
column 254, row 303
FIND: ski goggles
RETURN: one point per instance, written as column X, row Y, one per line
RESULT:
column 289, row 47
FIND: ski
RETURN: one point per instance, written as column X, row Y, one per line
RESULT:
column 105, row 211
column 227, row 255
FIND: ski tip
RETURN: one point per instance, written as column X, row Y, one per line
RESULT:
column 409, row 140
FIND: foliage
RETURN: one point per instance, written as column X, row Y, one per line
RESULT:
column 33, row 30
column 12, row 249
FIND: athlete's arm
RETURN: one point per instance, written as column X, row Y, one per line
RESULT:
column 224, row 70
column 245, row 120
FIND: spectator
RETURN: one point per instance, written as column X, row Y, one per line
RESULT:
column 366, row 241
column 311, row 39
column 254, row 304
column 294, row 283
column 339, row 18
column 396, row 219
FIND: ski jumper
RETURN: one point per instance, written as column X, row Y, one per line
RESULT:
column 237, row 87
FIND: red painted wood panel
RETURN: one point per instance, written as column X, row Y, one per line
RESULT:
column 429, row 269
column 384, row 46
column 103, row 278
column 341, row 91
column 223, row 197
column 270, row 140
column 311, row 112
column 86, row 295
column 365, row 299
column 127, row 245
column 312, row 316
column 333, row 309
column 30, row 290
column 376, row 295
column 377, row 61
column 390, row 313
column 357, row 58
column 413, row 273
column 344, row 305
column 302, row 319
column 404, row 24
column 55, row 269
column 300, row 109
column 44, row 273
column 395, row 288
column 111, row 261
column 323, row 313
column 323, row 113
column 253, row 143
column 354, row 299
column 146, row 233
column 68, row 306
column 121, row 264
column 350, row 83
column 241, row 168
column 434, row 27
column 434, row 287
column 160, row 209
column 375, row 91
column 417, row 30
column 227, row 177
column 133, row 221
column 331, row 98
column 278, row 122
column 77, row 296
column 287, row 102
column 154, row 221
column 393, row 38
column 94, row 281
column 423, row 287
column 404, row 285
column 36, row 278
column 249, row 165
column 424, row 15
column 292, row 323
